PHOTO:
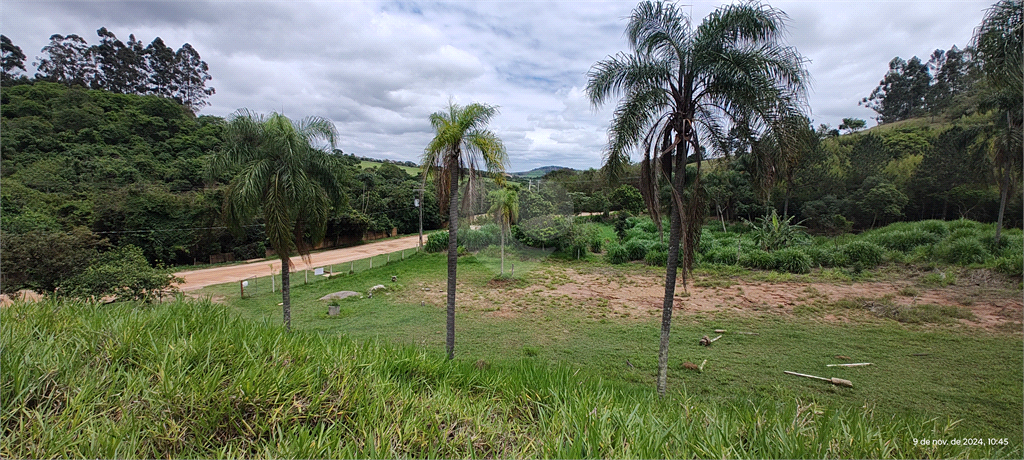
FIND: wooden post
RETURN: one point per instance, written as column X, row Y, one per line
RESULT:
column 241, row 289
column 352, row 267
column 371, row 262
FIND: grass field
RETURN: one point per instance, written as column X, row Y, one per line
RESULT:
column 373, row 164
column 939, row 368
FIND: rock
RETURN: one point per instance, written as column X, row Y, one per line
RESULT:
column 379, row 287
column 333, row 310
column 394, row 278
column 339, row 295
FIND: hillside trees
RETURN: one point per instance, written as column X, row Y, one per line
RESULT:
column 11, row 58
column 125, row 68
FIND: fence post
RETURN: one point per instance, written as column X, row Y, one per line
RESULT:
column 352, row 267
column 389, row 260
column 371, row 262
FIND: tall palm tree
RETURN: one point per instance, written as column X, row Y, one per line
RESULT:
column 284, row 176
column 505, row 209
column 461, row 142
column 680, row 88
column 998, row 42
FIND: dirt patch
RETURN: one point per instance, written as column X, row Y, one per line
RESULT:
column 609, row 293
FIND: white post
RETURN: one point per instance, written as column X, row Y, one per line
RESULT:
column 272, row 284
column 371, row 262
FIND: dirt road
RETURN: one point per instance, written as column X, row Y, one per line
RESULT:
column 197, row 279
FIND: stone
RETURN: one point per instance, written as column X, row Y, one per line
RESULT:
column 333, row 310
column 339, row 295
column 379, row 287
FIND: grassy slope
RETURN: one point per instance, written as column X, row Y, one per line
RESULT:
column 189, row 379
column 373, row 164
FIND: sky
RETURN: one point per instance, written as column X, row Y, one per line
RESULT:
column 379, row 69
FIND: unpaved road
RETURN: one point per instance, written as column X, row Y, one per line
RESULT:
column 198, row 279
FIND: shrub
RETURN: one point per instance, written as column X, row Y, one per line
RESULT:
column 720, row 256
column 863, row 254
column 964, row 251
column 792, row 260
column 638, row 233
column 637, row 249
column 961, row 224
column 617, row 255
column 657, row 246
column 936, row 227
column 122, row 273
column 656, row 258
column 475, row 240
column 905, row 240
column 826, row 257
column 1013, row 266
column 437, row 242
column 961, row 233
column 595, row 245
column 758, row 259
column 773, row 232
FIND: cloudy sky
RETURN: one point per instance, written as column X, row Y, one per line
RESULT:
column 379, row 69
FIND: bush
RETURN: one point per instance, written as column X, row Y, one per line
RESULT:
column 905, row 240
column 758, row 259
column 961, row 224
column 637, row 249
column 475, row 240
column 826, row 257
column 656, row 258
column 964, row 251
column 617, row 255
column 437, row 242
column 122, row 273
column 792, row 260
column 863, row 254
column 936, row 227
column 720, row 256
column 595, row 245
column 1013, row 266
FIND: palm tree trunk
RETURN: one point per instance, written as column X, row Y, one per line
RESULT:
column 453, row 252
column 672, row 266
column 1005, row 186
column 286, row 293
column 503, row 252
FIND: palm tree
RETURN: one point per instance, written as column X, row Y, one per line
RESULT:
column 998, row 42
column 285, row 177
column 461, row 142
column 505, row 209
column 680, row 86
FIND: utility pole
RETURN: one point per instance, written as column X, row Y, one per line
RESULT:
column 419, row 204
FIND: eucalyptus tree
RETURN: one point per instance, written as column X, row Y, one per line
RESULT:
column 286, row 175
column 505, row 209
column 460, row 144
column 681, row 86
column 998, row 44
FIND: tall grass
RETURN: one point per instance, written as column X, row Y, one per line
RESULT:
column 186, row 379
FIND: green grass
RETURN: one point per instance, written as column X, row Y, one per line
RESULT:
column 191, row 379
column 373, row 164
column 555, row 331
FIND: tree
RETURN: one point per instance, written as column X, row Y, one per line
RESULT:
column 11, row 58
column 902, row 93
column 162, row 68
column 852, row 125
column 121, row 68
column 191, row 74
column 461, row 142
column 68, row 60
column 285, row 177
column 505, row 209
column 998, row 41
column 679, row 84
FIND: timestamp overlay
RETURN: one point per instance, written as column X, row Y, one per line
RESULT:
column 962, row 441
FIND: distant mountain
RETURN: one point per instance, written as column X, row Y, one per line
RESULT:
column 539, row 172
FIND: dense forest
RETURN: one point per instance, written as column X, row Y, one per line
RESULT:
column 88, row 170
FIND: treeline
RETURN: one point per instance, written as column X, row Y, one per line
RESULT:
column 86, row 171
column 115, row 66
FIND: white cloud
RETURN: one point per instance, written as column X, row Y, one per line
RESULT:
column 379, row 69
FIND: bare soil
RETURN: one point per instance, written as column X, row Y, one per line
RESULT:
column 992, row 298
